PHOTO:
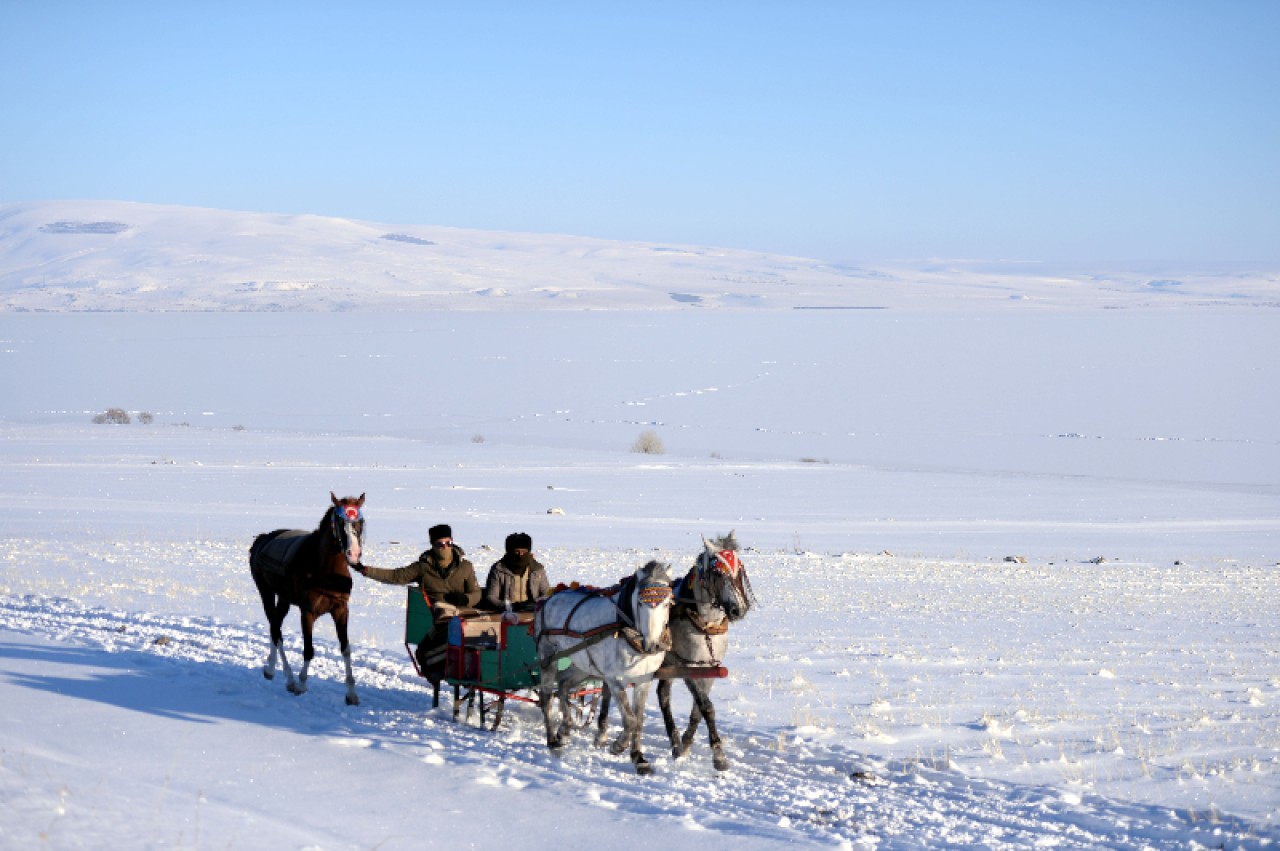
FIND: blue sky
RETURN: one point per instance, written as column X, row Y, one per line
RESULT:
column 1074, row 133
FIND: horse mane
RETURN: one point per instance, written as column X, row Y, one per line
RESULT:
column 311, row 549
column 654, row 564
column 727, row 542
column 327, row 518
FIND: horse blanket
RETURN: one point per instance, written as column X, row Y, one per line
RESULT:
column 275, row 551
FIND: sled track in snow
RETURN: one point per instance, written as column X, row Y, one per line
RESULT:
column 778, row 788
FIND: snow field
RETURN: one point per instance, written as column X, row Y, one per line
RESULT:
column 1155, row 684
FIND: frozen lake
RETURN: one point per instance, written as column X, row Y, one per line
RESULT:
column 1132, row 434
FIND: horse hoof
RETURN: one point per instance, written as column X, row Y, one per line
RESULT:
column 643, row 768
column 721, row 763
column 352, row 700
column 268, row 675
column 294, row 688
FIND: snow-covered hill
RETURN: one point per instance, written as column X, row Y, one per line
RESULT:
column 120, row 256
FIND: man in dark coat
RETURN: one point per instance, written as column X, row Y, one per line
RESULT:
column 449, row 581
column 516, row 578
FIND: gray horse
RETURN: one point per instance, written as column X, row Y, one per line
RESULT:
column 714, row 593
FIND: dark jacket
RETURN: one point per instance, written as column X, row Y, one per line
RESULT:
column 455, row 584
column 502, row 584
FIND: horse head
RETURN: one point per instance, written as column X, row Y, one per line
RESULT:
column 346, row 523
column 652, row 604
column 724, row 577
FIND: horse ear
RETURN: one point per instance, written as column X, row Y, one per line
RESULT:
column 334, row 498
column 360, row 501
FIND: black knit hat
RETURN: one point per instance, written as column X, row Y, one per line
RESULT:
column 519, row 541
column 441, row 531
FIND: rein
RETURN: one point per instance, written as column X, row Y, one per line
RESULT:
column 687, row 609
column 334, row 585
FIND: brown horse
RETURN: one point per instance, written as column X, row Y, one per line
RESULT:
column 310, row 570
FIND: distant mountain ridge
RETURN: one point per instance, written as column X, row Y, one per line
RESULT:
column 124, row 256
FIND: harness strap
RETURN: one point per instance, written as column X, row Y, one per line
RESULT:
column 573, row 633
column 636, row 641
column 592, row 636
column 702, row 626
column 687, row 607
column 597, row 635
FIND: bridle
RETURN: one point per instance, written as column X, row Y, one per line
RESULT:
column 343, row 517
column 651, row 595
column 716, row 568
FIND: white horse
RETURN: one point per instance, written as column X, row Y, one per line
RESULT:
column 618, row 636
column 714, row 593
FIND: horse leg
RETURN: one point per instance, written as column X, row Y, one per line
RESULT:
column 547, row 689
column 340, row 625
column 566, row 718
column 702, row 704
column 619, row 690
column 276, row 617
column 664, row 703
column 269, row 666
column 602, row 718
column 640, row 695
column 271, row 606
column 308, row 653
column 277, row 646
column 631, row 707
column 695, row 715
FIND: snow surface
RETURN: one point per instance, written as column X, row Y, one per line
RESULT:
column 1017, row 568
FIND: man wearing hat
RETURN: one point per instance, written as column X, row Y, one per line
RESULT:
column 449, row 581
column 516, row 578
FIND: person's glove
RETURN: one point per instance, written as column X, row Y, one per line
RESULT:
column 456, row 598
column 360, row 569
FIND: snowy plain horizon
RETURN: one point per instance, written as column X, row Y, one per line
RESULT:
column 1014, row 535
